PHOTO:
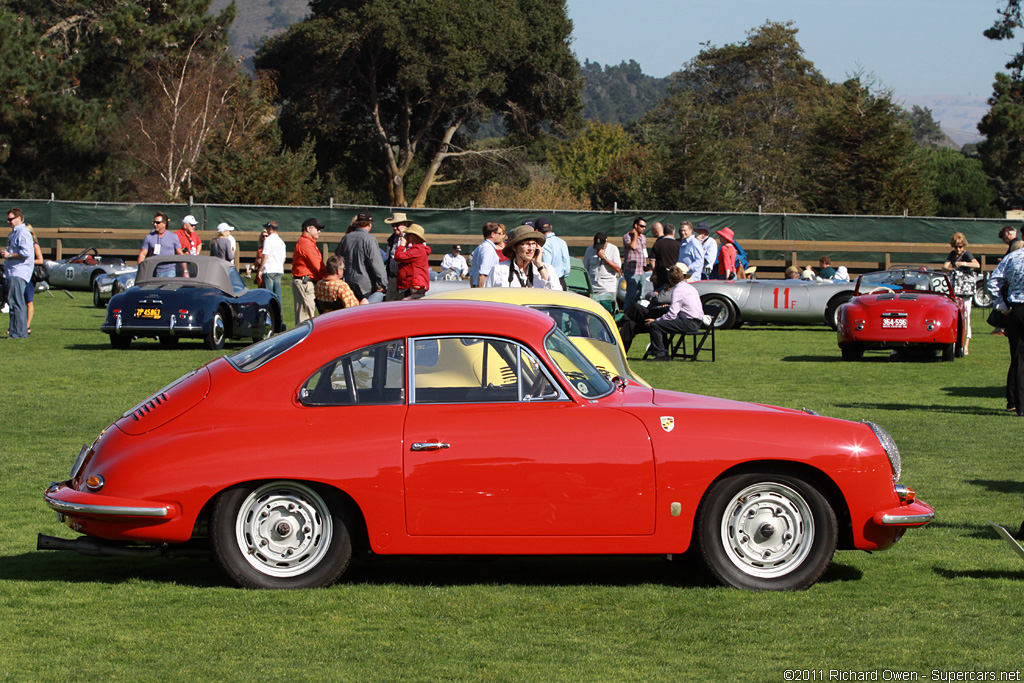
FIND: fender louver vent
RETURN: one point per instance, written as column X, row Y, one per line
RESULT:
column 886, row 297
column 908, row 297
column 149, row 406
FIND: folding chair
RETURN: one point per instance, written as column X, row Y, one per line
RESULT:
column 702, row 340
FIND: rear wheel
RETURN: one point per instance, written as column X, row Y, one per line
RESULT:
column 832, row 310
column 852, row 352
column 728, row 315
column 282, row 534
column 766, row 531
column 214, row 339
column 948, row 351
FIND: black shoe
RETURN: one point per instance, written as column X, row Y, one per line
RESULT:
column 662, row 358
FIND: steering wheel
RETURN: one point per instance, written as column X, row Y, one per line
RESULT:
column 880, row 288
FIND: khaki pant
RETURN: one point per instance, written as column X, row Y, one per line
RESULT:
column 305, row 301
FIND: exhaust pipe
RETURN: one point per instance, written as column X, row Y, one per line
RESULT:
column 99, row 547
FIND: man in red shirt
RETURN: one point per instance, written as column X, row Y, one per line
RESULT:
column 307, row 268
column 189, row 238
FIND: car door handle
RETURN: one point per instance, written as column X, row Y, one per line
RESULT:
column 435, row 446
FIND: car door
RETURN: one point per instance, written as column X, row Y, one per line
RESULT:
column 494, row 447
column 787, row 300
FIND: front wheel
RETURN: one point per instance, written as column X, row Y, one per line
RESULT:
column 97, row 299
column 728, row 316
column 982, row 298
column 766, row 531
column 214, row 339
column 282, row 534
column 271, row 321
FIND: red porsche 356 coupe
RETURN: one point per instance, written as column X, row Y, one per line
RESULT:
column 902, row 308
column 469, row 428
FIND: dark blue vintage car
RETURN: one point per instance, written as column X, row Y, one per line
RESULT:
column 190, row 296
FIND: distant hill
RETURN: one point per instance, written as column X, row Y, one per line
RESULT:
column 259, row 19
column 619, row 94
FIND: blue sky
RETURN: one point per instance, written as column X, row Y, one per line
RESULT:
column 928, row 52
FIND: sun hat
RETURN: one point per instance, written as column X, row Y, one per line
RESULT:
column 726, row 234
column 398, row 217
column 415, row 229
column 521, row 234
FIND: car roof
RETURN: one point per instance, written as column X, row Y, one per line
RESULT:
column 529, row 296
column 212, row 272
column 396, row 319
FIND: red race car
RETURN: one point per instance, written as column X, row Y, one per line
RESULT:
column 902, row 308
column 470, row 428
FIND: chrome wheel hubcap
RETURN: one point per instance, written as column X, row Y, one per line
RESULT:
column 283, row 529
column 767, row 530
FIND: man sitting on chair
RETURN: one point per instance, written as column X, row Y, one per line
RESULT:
column 333, row 292
column 684, row 314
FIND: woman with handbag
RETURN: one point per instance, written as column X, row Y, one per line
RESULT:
column 961, row 265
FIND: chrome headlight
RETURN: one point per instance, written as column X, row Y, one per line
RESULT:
column 890, row 449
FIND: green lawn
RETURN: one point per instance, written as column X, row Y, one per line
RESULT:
column 947, row 597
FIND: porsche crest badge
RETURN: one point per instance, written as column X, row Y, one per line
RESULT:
column 668, row 423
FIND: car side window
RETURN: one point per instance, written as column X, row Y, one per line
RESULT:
column 374, row 375
column 477, row 370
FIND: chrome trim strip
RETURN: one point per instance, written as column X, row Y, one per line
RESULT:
column 903, row 520
column 110, row 510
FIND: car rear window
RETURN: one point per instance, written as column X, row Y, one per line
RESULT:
column 260, row 353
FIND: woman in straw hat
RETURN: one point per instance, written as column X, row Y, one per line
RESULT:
column 525, row 267
column 412, row 256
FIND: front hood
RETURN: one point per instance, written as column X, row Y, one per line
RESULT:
column 677, row 399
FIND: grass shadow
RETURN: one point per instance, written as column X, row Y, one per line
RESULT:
column 976, row 392
column 548, row 570
column 978, row 574
column 932, row 408
column 999, row 485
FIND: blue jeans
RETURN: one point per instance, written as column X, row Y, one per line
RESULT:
column 634, row 288
column 272, row 282
column 18, row 328
column 375, row 297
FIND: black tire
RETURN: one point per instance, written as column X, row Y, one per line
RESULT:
column 947, row 352
column 852, row 351
column 97, row 300
column 982, row 299
column 271, row 323
column 766, row 531
column 256, row 529
column 120, row 341
column 728, row 316
column 214, row 339
column 832, row 310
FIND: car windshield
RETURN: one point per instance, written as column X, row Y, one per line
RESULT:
column 574, row 322
column 260, row 353
column 581, row 374
column 903, row 280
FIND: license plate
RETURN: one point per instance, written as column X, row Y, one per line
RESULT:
column 150, row 313
column 894, row 322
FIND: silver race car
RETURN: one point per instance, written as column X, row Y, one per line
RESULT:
column 791, row 302
column 83, row 271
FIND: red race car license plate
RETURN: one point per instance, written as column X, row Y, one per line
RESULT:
column 150, row 313
column 894, row 322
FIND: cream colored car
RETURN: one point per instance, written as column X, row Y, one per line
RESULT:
column 586, row 322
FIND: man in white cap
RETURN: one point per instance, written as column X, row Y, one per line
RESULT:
column 188, row 237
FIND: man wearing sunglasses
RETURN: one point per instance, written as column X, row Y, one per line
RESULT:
column 20, row 260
